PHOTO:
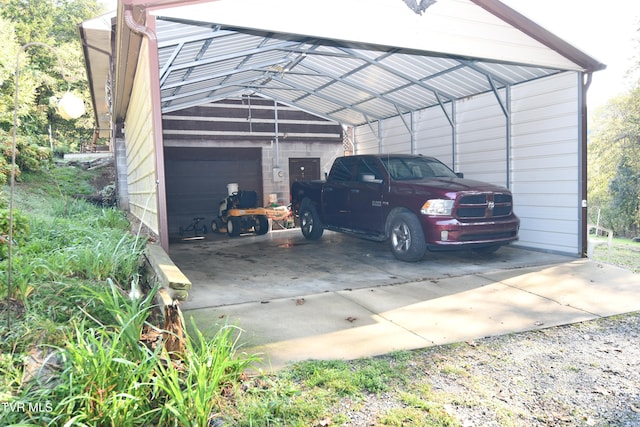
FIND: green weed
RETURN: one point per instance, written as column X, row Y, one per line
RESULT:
column 193, row 386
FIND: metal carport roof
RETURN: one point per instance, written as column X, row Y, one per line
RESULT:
column 345, row 60
column 349, row 61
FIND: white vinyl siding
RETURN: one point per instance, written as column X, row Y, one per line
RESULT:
column 545, row 161
column 434, row 135
column 139, row 137
column 542, row 161
column 397, row 135
column 366, row 139
column 481, row 148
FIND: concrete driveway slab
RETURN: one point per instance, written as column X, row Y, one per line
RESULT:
column 299, row 329
column 491, row 310
column 342, row 297
column 390, row 297
column 284, row 264
column 596, row 288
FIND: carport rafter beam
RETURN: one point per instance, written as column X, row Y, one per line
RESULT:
column 202, row 101
column 342, row 79
column 246, row 90
column 335, row 78
column 246, row 59
column 235, row 55
column 205, row 45
column 472, row 65
column 211, row 89
column 404, row 76
column 258, row 92
column 260, row 68
column 314, row 92
column 164, row 72
column 216, row 31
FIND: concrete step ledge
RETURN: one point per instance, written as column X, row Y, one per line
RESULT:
column 167, row 273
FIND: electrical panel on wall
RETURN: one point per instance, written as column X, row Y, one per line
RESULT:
column 278, row 175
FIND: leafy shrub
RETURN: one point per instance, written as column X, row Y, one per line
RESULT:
column 20, row 230
column 29, row 156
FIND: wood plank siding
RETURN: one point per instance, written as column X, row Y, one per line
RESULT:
column 248, row 119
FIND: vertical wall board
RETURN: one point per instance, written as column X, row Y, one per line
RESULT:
column 366, row 139
column 545, row 162
column 139, row 136
column 434, row 135
column 396, row 135
column 481, row 139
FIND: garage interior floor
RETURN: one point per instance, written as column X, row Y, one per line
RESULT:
column 343, row 298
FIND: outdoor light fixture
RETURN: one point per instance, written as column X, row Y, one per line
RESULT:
column 419, row 6
column 69, row 107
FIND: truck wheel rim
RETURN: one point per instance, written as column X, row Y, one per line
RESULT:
column 401, row 237
column 307, row 222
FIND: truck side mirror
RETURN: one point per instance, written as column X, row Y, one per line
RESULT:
column 369, row 177
column 460, row 174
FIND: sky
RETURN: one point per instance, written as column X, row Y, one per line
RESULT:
column 606, row 31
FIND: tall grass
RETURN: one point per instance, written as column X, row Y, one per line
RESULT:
column 70, row 275
column 112, row 379
column 105, row 382
column 193, row 386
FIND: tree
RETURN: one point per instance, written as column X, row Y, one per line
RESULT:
column 614, row 164
column 44, row 75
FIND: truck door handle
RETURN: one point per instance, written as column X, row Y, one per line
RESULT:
column 355, row 190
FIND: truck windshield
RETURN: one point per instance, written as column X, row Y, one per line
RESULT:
column 409, row 168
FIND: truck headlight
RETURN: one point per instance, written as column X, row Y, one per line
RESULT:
column 437, row 207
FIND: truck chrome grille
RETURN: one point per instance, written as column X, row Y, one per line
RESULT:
column 484, row 205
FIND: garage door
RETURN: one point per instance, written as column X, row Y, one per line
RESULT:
column 197, row 179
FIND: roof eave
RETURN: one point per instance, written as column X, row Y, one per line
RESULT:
column 540, row 34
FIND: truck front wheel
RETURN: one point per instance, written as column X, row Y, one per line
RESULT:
column 310, row 221
column 406, row 239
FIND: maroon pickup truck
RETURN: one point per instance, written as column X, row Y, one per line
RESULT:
column 414, row 202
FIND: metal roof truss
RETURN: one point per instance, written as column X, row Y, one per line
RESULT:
column 347, row 83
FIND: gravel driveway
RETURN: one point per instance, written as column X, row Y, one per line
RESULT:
column 585, row 374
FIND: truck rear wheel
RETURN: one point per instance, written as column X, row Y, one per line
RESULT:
column 406, row 239
column 310, row 221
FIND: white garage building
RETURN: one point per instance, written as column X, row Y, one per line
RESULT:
column 193, row 94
